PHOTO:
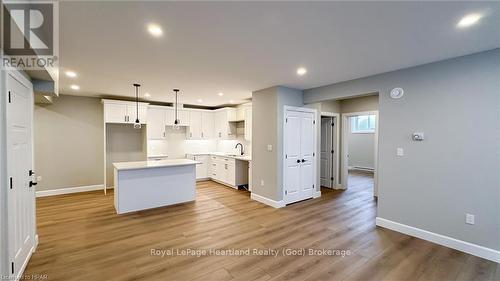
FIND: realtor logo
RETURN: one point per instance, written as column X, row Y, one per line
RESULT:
column 30, row 35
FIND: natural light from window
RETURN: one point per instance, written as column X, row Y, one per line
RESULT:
column 363, row 124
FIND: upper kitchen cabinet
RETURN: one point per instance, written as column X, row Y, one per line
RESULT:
column 182, row 115
column 225, row 127
column 207, row 125
column 248, row 123
column 201, row 125
column 194, row 130
column 157, row 117
column 124, row 112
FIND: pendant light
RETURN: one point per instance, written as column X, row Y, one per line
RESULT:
column 176, row 110
column 137, row 124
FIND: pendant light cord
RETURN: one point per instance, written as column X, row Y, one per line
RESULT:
column 137, row 102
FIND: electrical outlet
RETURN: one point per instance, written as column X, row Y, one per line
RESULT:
column 469, row 219
column 269, row 147
column 400, row 151
column 261, row 182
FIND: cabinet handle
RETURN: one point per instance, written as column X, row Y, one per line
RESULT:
column 125, row 118
column 201, row 134
column 225, row 166
column 164, row 134
column 190, row 135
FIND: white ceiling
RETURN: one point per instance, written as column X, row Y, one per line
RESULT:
column 240, row 47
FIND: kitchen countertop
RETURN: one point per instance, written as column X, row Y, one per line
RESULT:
column 222, row 154
column 120, row 166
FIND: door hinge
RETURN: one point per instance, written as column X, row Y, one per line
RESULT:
column 10, row 182
column 286, row 120
column 314, row 121
column 331, row 178
column 333, row 124
column 314, row 154
column 286, row 192
column 10, row 98
column 12, row 266
column 286, row 156
column 313, row 186
column 333, row 151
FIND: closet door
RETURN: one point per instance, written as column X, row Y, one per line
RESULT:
column 307, row 155
column 293, row 158
column 299, row 144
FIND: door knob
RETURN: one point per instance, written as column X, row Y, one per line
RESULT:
column 298, row 160
column 303, row 160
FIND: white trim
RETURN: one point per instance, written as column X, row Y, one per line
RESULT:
column 469, row 248
column 267, row 201
column 25, row 264
column 317, row 194
column 338, row 121
column 69, row 190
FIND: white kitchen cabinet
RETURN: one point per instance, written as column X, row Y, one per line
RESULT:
column 225, row 127
column 201, row 125
column 132, row 113
column 248, row 124
column 194, row 131
column 229, row 171
column 123, row 112
column 156, row 123
column 207, row 125
column 182, row 115
column 202, row 170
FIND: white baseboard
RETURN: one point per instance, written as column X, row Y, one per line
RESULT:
column 267, row 201
column 60, row 191
column 317, row 194
column 473, row 249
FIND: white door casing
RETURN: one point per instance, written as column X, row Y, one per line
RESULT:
column 21, row 195
column 326, row 152
column 299, row 136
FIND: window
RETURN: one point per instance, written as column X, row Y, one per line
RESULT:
column 363, row 124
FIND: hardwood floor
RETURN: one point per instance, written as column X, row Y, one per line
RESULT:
column 81, row 238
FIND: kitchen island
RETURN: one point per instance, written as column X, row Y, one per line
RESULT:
column 150, row 184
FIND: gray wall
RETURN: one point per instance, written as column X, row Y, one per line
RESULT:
column 69, row 142
column 267, row 128
column 264, row 132
column 123, row 144
column 456, row 169
column 361, row 150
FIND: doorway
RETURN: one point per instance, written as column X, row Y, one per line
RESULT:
column 359, row 148
column 329, row 160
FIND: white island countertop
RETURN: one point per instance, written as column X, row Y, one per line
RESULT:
column 120, row 166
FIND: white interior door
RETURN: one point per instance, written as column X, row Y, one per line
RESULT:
column 326, row 152
column 21, row 196
column 293, row 158
column 307, row 175
column 299, row 137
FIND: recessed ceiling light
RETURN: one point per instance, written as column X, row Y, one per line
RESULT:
column 220, row 94
column 147, row 95
column 301, row 71
column 75, row 87
column 469, row 20
column 231, row 101
column 199, row 100
column 155, row 30
column 70, row 73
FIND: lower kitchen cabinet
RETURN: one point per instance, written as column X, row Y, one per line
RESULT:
column 202, row 170
column 229, row 171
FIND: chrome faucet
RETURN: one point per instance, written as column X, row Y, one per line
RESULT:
column 241, row 150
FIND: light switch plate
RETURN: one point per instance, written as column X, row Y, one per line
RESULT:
column 469, row 219
column 269, row 147
column 400, row 151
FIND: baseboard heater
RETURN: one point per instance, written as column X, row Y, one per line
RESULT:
column 367, row 169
